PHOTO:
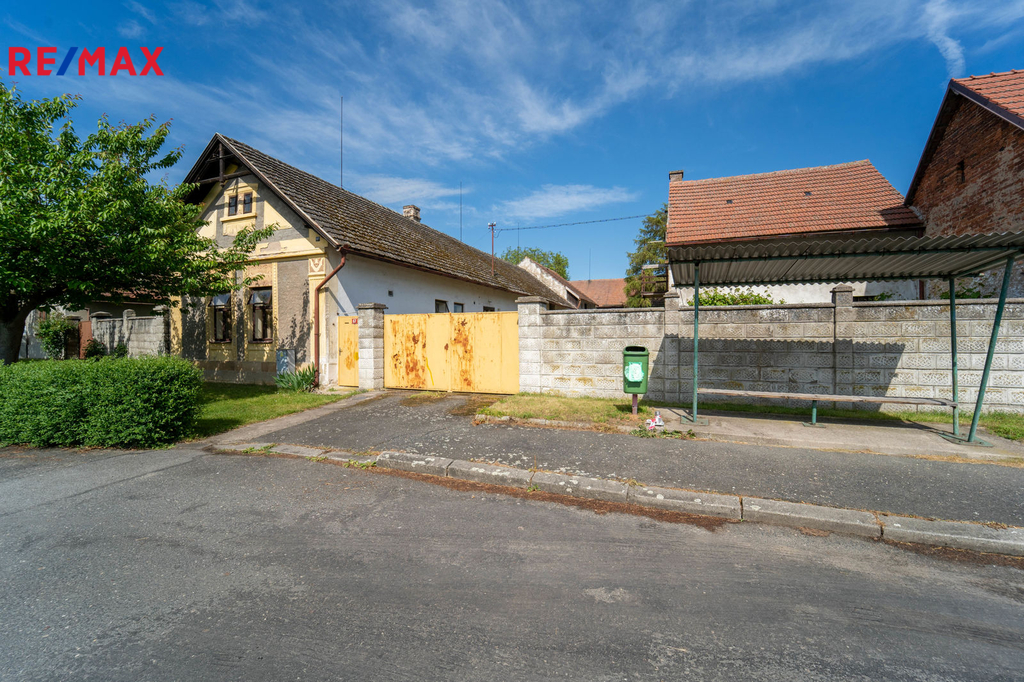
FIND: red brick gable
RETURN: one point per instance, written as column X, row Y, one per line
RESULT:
column 848, row 196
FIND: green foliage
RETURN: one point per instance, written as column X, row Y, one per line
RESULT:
column 137, row 402
column 964, row 291
column 549, row 259
column 54, row 334
column 79, row 218
column 650, row 250
column 120, row 351
column 299, row 380
column 95, row 349
column 714, row 296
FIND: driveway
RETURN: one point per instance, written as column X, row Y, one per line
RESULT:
column 181, row 565
column 899, row 485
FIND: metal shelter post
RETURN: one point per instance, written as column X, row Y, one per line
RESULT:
column 952, row 343
column 696, row 333
column 991, row 348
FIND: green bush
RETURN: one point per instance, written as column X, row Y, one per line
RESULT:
column 120, row 351
column 127, row 402
column 300, row 380
column 714, row 296
column 95, row 349
column 55, row 333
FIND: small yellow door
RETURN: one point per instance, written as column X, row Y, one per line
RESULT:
column 348, row 351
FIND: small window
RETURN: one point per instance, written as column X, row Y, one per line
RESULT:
column 488, row 309
column 221, row 305
column 262, row 315
column 458, row 307
column 440, row 306
column 233, row 205
column 247, row 202
column 391, row 293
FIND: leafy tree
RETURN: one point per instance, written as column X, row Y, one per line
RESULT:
column 650, row 250
column 54, row 334
column 549, row 259
column 79, row 219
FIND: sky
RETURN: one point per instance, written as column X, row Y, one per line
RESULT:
column 543, row 112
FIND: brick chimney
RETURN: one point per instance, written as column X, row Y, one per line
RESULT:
column 675, row 176
column 411, row 212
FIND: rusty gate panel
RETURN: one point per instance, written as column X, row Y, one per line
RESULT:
column 348, row 351
column 465, row 352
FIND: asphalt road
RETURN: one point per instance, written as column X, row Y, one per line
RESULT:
column 899, row 485
column 179, row 565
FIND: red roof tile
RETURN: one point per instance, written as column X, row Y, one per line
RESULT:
column 1005, row 90
column 606, row 293
column 848, row 196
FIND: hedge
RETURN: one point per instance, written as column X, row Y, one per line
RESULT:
column 127, row 402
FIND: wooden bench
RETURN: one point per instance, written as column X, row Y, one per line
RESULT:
column 815, row 397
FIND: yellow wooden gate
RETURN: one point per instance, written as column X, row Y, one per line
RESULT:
column 348, row 351
column 464, row 352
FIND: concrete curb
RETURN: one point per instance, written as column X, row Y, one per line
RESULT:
column 956, row 534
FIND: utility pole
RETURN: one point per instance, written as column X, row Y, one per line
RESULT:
column 492, row 226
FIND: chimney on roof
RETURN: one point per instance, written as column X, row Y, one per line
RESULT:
column 411, row 212
column 675, row 176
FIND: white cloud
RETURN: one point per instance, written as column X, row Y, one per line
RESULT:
column 939, row 15
column 26, row 31
column 551, row 201
column 390, row 190
column 131, row 29
column 141, row 11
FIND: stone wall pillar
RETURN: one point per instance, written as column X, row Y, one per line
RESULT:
column 371, row 346
column 842, row 341
column 531, row 338
column 671, row 350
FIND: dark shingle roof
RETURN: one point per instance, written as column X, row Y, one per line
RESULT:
column 848, row 196
column 378, row 232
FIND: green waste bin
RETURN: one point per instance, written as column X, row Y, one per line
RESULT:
column 634, row 369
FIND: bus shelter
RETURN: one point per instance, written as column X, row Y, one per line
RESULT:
column 820, row 259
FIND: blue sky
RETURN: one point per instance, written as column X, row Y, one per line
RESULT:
column 546, row 111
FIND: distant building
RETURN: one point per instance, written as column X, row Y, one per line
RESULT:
column 806, row 203
column 561, row 286
column 605, row 293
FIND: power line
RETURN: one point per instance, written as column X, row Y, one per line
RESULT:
column 580, row 222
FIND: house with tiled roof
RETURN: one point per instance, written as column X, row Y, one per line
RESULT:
column 605, row 293
column 970, row 178
column 302, row 297
column 823, row 202
column 560, row 285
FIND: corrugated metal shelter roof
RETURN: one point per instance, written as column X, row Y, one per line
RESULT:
column 849, row 258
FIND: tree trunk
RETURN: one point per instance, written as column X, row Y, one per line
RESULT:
column 11, row 332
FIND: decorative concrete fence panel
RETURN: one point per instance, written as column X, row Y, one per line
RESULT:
column 142, row 335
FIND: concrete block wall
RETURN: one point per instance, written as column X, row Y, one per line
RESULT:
column 877, row 348
column 142, row 335
column 371, row 345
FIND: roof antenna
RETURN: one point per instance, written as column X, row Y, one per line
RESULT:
column 492, row 226
column 341, row 160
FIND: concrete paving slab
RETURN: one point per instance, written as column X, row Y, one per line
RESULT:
column 298, row 450
column 407, row 461
column 708, row 504
column 488, row 473
column 971, row 536
column 846, row 521
column 581, row 486
column 887, row 438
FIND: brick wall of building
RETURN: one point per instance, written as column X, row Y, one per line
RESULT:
column 988, row 196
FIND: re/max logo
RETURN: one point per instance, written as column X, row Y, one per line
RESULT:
column 20, row 59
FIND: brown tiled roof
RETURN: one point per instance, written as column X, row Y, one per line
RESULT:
column 848, row 196
column 378, row 232
column 1005, row 90
column 606, row 293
